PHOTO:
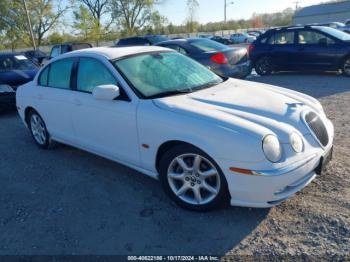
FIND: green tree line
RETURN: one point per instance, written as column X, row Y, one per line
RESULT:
column 57, row 21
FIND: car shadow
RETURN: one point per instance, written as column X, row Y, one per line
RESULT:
column 313, row 83
column 67, row 201
column 129, row 214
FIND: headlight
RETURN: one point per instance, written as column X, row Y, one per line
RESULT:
column 272, row 148
column 296, row 142
column 6, row 89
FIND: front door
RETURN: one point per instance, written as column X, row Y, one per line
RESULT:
column 316, row 50
column 102, row 126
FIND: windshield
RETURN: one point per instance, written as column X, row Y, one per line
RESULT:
column 166, row 73
column 207, row 45
column 16, row 62
column 336, row 33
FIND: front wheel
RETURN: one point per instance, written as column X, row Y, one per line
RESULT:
column 38, row 130
column 192, row 179
column 263, row 66
column 346, row 67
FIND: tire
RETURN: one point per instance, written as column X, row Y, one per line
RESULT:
column 38, row 130
column 346, row 67
column 200, row 188
column 263, row 66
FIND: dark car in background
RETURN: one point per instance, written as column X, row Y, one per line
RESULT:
column 36, row 56
column 221, row 59
column 141, row 40
column 67, row 47
column 221, row 40
column 15, row 70
column 301, row 48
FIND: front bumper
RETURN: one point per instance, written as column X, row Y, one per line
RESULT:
column 272, row 187
column 7, row 100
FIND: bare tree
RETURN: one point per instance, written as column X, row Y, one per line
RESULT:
column 97, row 8
column 192, row 6
column 45, row 16
column 132, row 15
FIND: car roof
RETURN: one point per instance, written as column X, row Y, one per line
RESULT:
column 139, row 36
column 183, row 40
column 114, row 52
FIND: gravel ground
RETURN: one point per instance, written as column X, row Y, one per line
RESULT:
column 66, row 201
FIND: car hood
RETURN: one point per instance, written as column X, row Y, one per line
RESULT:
column 248, row 107
column 16, row 78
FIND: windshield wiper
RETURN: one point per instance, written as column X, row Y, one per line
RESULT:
column 170, row 93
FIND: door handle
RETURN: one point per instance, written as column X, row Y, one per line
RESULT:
column 76, row 101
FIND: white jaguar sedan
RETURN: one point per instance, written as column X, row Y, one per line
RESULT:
column 207, row 139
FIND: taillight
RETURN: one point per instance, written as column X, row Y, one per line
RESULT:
column 219, row 58
column 250, row 49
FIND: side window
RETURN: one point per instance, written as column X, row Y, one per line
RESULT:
column 64, row 49
column 263, row 40
column 60, row 73
column 141, row 41
column 44, row 76
column 306, row 37
column 282, row 38
column 55, row 51
column 92, row 73
column 182, row 51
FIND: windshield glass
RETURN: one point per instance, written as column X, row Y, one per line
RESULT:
column 166, row 73
column 16, row 62
column 207, row 45
column 336, row 33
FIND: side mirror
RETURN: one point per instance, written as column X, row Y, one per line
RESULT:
column 106, row 92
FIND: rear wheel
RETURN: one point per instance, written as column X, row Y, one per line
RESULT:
column 192, row 179
column 263, row 66
column 346, row 67
column 38, row 130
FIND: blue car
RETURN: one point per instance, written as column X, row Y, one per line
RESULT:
column 15, row 70
column 301, row 48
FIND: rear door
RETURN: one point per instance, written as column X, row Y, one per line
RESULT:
column 54, row 99
column 316, row 50
column 282, row 49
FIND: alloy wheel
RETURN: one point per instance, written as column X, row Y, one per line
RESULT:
column 38, row 129
column 193, row 179
column 346, row 67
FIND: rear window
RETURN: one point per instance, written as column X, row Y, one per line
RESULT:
column 282, row 38
column 207, row 45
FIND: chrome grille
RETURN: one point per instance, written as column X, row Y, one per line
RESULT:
column 317, row 127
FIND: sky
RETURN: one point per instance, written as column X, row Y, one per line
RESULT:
column 213, row 10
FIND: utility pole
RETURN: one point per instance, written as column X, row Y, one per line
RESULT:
column 296, row 4
column 29, row 24
column 225, row 8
